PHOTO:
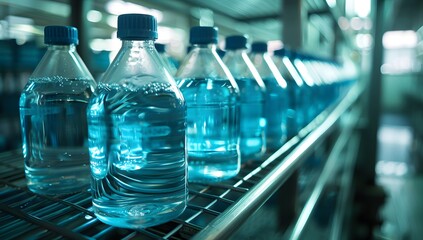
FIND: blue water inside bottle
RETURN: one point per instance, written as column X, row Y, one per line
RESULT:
column 137, row 148
column 253, row 123
column 275, row 108
column 295, row 106
column 212, row 129
column 53, row 120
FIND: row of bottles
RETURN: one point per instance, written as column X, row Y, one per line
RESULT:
column 143, row 134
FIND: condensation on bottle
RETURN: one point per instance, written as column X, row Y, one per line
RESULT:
column 276, row 99
column 252, row 91
column 53, row 117
column 295, row 91
column 136, row 125
column 212, row 98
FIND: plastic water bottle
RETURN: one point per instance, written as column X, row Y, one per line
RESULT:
column 53, row 120
column 295, row 90
column 136, row 125
column 167, row 61
column 253, row 90
column 212, row 98
column 276, row 105
column 322, row 93
column 308, row 88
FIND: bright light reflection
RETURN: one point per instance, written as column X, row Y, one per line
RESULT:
column 281, row 81
column 356, row 23
column 292, row 71
column 94, row 16
column 399, row 39
column 118, row 7
column 362, row 8
column 395, row 135
column 392, row 168
column 99, row 44
column 331, row 3
column 304, row 72
column 364, row 40
column 343, row 23
column 112, row 21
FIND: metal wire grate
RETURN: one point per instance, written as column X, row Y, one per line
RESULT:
column 28, row 215
column 211, row 207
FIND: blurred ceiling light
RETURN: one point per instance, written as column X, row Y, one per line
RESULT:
column 356, row 23
column 331, row 3
column 52, row 7
column 23, row 32
column 112, row 21
column 349, row 8
column 118, row 7
column 11, row 19
column 367, row 23
column 343, row 23
column 98, row 44
column 167, row 34
column 204, row 15
column 362, row 7
column 273, row 45
column 399, row 39
column 94, row 16
column 364, row 41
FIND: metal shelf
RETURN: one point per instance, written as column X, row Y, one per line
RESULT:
column 214, row 211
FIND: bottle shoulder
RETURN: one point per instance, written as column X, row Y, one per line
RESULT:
column 209, row 91
column 202, row 63
column 59, row 85
column 122, row 97
column 62, row 64
column 137, row 67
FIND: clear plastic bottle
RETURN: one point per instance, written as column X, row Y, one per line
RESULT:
column 252, row 90
column 295, row 113
column 167, row 61
column 136, row 126
column 276, row 105
column 308, row 88
column 318, row 92
column 212, row 98
column 53, row 120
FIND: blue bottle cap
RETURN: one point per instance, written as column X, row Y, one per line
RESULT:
column 60, row 35
column 220, row 52
column 203, row 35
column 236, row 42
column 161, row 48
column 298, row 55
column 259, row 47
column 283, row 52
column 137, row 27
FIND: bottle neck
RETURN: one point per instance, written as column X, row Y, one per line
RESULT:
column 137, row 43
column 70, row 47
column 211, row 46
column 259, row 53
column 239, row 51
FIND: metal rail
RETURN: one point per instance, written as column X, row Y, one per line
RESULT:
column 346, row 140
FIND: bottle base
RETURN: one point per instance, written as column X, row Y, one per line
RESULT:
column 206, row 167
column 57, row 181
column 137, row 216
column 252, row 149
column 207, row 175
